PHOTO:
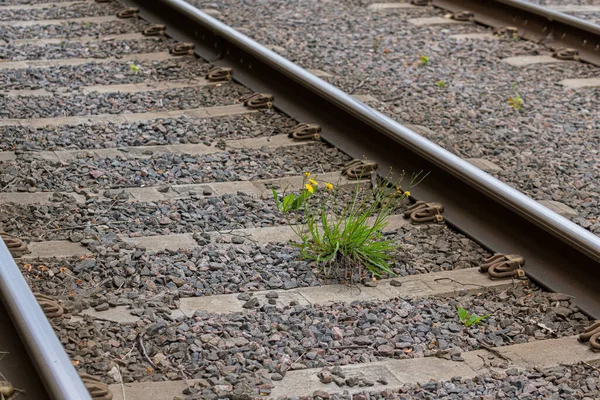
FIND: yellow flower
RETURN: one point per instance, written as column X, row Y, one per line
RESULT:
column 329, row 186
column 307, row 174
column 309, row 188
column 399, row 189
column 407, row 193
column 313, row 182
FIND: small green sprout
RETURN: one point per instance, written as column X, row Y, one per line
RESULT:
column 473, row 319
column 134, row 68
column 87, row 25
column 516, row 102
column 376, row 44
column 424, row 60
column 441, row 84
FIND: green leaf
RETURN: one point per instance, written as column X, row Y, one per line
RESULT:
column 288, row 201
column 277, row 201
column 463, row 315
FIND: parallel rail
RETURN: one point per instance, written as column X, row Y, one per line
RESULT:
column 560, row 255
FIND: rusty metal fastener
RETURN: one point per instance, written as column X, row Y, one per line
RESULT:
column 182, row 49
column 258, row 100
column 592, row 335
column 97, row 389
column 507, row 30
column 423, row 212
column 51, row 307
column 219, row 74
column 463, row 16
column 356, row 169
column 501, row 266
column 129, row 12
column 15, row 245
column 154, row 30
column 421, row 2
column 567, row 53
column 305, row 132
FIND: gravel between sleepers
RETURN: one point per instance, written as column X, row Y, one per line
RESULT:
column 23, row 107
column 86, row 9
column 118, row 72
column 73, row 29
column 562, row 382
column 255, row 345
column 549, row 150
column 104, row 49
column 243, row 266
column 92, row 172
column 156, row 132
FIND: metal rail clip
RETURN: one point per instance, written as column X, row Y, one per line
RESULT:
column 98, row 389
column 592, row 335
column 511, row 31
column 421, row 2
column 423, row 212
column 51, row 307
column 356, row 169
column 305, row 132
column 219, row 74
column 154, row 30
column 182, row 49
column 463, row 16
column 501, row 266
column 256, row 101
column 130, row 12
column 15, row 245
column 567, row 53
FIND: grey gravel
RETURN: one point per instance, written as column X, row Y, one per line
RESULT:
column 73, row 29
column 68, row 49
column 28, row 173
column 85, row 9
column 111, row 73
column 562, row 382
column 155, row 132
column 119, row 103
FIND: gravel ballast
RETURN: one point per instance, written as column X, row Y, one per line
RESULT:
column 108, row 73
column 548, row 150
column 85, row 9
column 30, row 174
column 301, row 336
column 73, row 29
column 156, row 132
column 67, row 49
column 23, row 107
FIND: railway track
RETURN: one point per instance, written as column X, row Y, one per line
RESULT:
column 140, row 182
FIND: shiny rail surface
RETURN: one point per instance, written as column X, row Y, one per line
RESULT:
column 560, row 255
column 47, row 355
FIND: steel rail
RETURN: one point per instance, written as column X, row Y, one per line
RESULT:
column 560, row 255
column 47, row 355
column 551, row 28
